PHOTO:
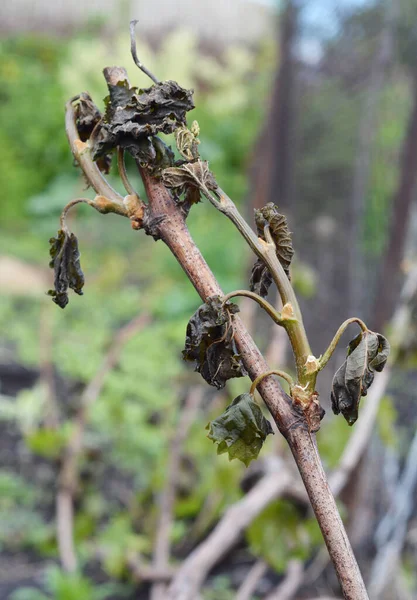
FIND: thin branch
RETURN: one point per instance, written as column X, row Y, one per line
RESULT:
column 324, row 359
column 67, row 208
column 392, row 531
column 65, row 530
column 277, row 372
column 288, row 587
column 123, row 173
column 143, row 573
column 250, row 583
column 268, row 308
column 138, row 63
column 166, row 503
column 194, row 570
column 68, row 477
column 46, row 366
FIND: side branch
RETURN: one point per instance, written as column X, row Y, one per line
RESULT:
column 68, row 477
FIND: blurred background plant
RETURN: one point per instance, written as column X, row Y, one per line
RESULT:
column 313, row 110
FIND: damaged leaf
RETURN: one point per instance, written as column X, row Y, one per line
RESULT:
column 65, row 260
column 189, row 178
column 241, row 430
column 210, row 342
column 187, row 141
column 261, row 279
column 196, row 174
column 367, row 353
column 132, row 115
column 87, row 117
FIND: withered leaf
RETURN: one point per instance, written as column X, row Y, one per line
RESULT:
column 241, row 430
column 268, row 215
column 260, row 279
column 189, row 178
column 195, row 173
column 187, row 141
column 210, row 342
column 87, row 116
column 133, row 115
column 367, row 353
column 65, row 260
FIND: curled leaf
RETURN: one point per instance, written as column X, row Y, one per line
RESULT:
column 367, row 353
column 241, row 430
column 132, row 115
column 187, row 141
column 268, row 215
column 260, row 278
column 189, row 178
column 65, row 260
column 196, row 174
column 87, row 117
column 210, row 342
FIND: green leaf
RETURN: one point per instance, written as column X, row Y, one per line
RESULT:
column 210, row 342
column 367, row 353
column 47, row 442
column 280, row 534
column 65, row 260
column 268, row 215
column 241, row 430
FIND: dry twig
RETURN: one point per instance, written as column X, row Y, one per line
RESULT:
column 167, row 499
column 68, row 477
column 194, row 570
column 249, row 585
column 287, row 588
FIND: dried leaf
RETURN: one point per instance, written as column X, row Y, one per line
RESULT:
column 65, row 260
column 188, row 179
column 261, row 279
column 210, row 342
column 367, row 353
column 132, row 115
column 87, row 116
column 196, row 174
column 241, row 430
column 187, row 142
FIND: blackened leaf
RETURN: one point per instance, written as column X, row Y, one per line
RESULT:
column 241, row 430
column 260, row 279
column 367, row 353
column 268, row 215
column 65, row 260
column 210, row 342
column 87, row 116
column 133, row 114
